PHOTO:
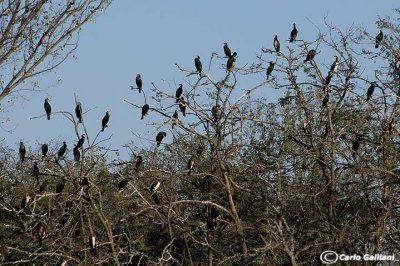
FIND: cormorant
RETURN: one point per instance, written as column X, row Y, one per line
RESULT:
column 378, row 39
column 270, row 68
column 198, row 65
column 175, row 119
column 231, row 62
column 156, row 199
column 355, row 146
column 325, row 100
column 371, row 89
column 227, row 51
column 277, row 45
column 45, row 149
column 334, row 66
column 139, row 82
column 123, row 183
column 293, row 33
column 160, row 137
column 85, row 182
column 145, row 110
column 35, row 171
column 327, row 79
column 215, row 112
column 92, row 243
column 310, row 55
column 179, row 92
column 77, row 154
column 138, row 163
column 104, row 121
column 43, row 186
column 47, row 108
column 78, row 112
column 154, row 186
column 182, row 106
column 22, row 151
column 214, row 212
column 81, row 141
column 60, row 186
column 190, row 165
column 62, row 150
column 25, row 201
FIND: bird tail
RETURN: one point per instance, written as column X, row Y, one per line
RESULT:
column 48, row 117
column 158, row 144
column 291, row 40
column 376, row 46
column 80, row 120
column 102, row 129
column 141, row 118
column 305, row 61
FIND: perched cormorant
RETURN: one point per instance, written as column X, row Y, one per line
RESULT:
column 139, row 162
column 139, row 82
column 160, row 137
column 60, row 186
column 35, row 171
column 179, row 92
column 154, row 186
column 371, row 89
column 123, row 183
column 277, row 45
column 85, row 182
column 175, row 119
column 293, row 33
column 270, row 68
column 198, row 65
column 378, row 39
column 182, row 106
column 78, row 112
column 145, row 110
column 156, row 199
column 310, row 55
column 45, row 149
column 47, row 108
column 22, row 151
column 325, row 100
column 77, row 154
column 190, row 165
column 334, row 66
column 62, row 150
column 327, row 79
column 43, row 186
column 227, row 51
column 81, row 141
column 355, row 146
column 231, row 62
column 25, row 201
column 104, row 121
column 214, row 212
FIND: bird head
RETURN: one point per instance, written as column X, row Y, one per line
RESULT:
column 294, row 25
column 64, row 143
column 83, row 135
column 138, row 76
column 234, row 54
column 225, row 43
column 165, row 134
column 35, row 163
column 46, row 100
column 198, row 57
column 21, row 143
column 271, row 62
column 108, row 112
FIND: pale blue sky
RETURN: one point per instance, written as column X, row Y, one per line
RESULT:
column 148, row 37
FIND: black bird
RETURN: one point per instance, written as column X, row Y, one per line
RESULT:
column 160, row 137
column 310, row 55
column 25, row 201
column 277, row 45
column 156, row 199
column 355, row 146
column 231, row 62
column 47, row 108
column 22, row 151
column 139, row 82
column 214, row 213
column 327, row 79
column 123, row 183
column 80, row 142
column 227, row 51
column 154, row 186
column 138, row 163
column 145, row 110
column 77, row 154
column 104, row 121
column 199, row 150
column 43, row 186
column 35, row 171
column 62, row 150
column 270, row 68
column 334, row 66
column 182, row 106
column 85, row 182
column 78, row 112
column 60, row 186
column 190, row 165
column 293, row 33
column 215, row 112
column 378, row 39
column 45, row 149
column 198, row 65
column 179, row 92
column 175, row 119
column 371, row 89
column 325, row 100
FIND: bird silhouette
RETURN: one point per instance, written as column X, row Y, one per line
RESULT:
column 145, row 110
column 105, row 120
column 378, row 39
column 277, row 45
column 293, row 33
column 198, row 65
column 47, row 108
column 139, row 82
column 160, row 137
column 78, row 112
column 227, row 51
